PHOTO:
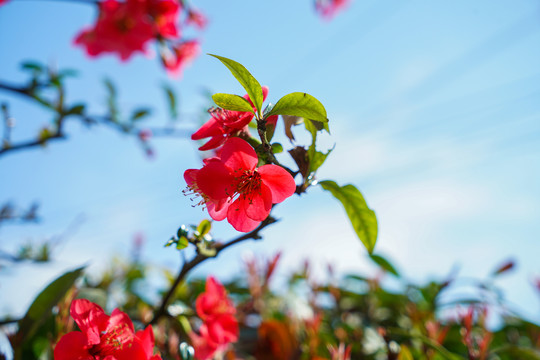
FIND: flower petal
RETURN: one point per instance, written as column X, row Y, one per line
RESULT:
column 120, row 320
column 132, row 350
column 238, row 155
column 279, row 181
column 237, row 217
column 218, row 209
column 214, row 142
column 90, row 318
column 258, row 206
column 146, row 338
column 204, row 348
column 208, row 129
column 222, row 329
column 214, row 179
column 72, row 346
column 190, row 176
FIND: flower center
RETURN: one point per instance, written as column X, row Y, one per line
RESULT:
column 125, row 24
column 248, row 183
column 113, row 341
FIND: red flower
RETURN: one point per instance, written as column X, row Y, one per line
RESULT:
column 126, row 27
column 181, row 56
column 104, row 337
column 3, row 1
column 165, row 14
column 196, row 18
column 225, row 123
column 220, row 326
column 122, row 28
column 329, row 8
column 233, row 187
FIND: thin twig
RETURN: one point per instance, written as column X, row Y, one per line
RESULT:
column 199, row 258
column 8, row 321
column 89, row 2
column 32, row 144
column 15, row 89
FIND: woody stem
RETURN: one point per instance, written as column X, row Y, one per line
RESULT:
column 261, row 129
column 199, row 258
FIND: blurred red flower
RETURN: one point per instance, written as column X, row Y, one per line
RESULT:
column 196, row 18
column 122, row 27
column 126, row 27
column 329, row 8
column 233, row 187
column 220, row 326
column 103, row 336
column 181, row 55
column 165, row 14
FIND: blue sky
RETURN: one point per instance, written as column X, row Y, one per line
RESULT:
column 434, row 114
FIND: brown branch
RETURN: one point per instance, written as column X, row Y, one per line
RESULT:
column 199, row 258
column 267, row 148
column 8, row 321
column 15, row 89
column 32, row 143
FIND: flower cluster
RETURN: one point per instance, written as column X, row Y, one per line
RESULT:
column 220, row 326
column 126, row 27
column 233, row 187
column 104, row 337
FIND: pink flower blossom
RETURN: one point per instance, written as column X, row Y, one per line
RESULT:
column 181, row 55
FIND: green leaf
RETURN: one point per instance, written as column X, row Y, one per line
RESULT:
column 405, row 353
column 67, row 73
column 277, row 148
column 171, row 101
column 204, row 227
column 45, row 301
column 384, row 264
column 111, row 100
column 300, row 104
column 362, row 218
column 182, row 243
column 31, row 65
column 139, row 114
column 77, row 109
column 232, row 102
column 518, row 352
column 244, row 77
